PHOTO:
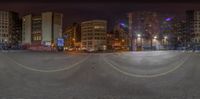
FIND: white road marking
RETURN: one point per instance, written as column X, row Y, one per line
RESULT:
column 56, row 70
column 128, row 55
column 145, row 76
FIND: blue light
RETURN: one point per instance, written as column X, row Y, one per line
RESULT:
column 168, row 19
column 122, row 24
column 60, row 42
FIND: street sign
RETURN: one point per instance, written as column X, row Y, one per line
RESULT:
column 60, row 42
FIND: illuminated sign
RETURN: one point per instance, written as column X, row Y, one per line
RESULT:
column 60, row 42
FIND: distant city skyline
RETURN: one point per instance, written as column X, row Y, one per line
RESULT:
column 78, row 12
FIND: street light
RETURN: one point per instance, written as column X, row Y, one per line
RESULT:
column 138, row 35
column 122, row 43
column 155, row 37
column 139, row 38
column 165, row 41
column 165, row 37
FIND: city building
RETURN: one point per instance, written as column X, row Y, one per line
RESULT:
column 110, row 40
column 93, row 35
column 144, row 29
column 42, row 30
column 10, row 28
column 183, row 36
column 72, row 36
column 193, row 27
column 179, row 37
column 173, row 32
column 121, row 35
column 118, row 38
column 168, row 29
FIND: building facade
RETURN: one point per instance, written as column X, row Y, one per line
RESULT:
column 169, row 28
column 118, row 38
column 144, row 29
column 72, row 36
column 121, row 36
column 193, row 26
column 179, row 37
column 42, row 30
column 10, row 28
column 93, row 34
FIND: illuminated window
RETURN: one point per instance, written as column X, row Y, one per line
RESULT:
column 98, row 27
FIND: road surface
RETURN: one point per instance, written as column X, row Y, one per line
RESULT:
column 125, row 75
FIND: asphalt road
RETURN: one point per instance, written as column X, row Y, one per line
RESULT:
column 127, row 75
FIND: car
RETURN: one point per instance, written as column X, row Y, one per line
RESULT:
column 70, row 49
column 90, row 50
column 65, row 48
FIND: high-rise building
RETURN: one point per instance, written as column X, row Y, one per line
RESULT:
column 111, row 41
column 121, row 35
column 183, row 36
column 143, row 28
column 179, row 36
column 26, row 29
column 118, row 38
column 72, row 36
column 93, row 35
column 169, row 28
column 193, row 26
column 10, row 28
column 36, row 30
column 44, row 29
column 173, row 31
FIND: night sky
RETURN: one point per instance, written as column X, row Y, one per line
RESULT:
column 79, row 11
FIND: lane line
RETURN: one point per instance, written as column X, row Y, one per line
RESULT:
column 56, row 70
column 145, row 76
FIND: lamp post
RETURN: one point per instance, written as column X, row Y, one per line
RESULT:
column 122, row 44
column 153, row 39
column 165, row 41
column 139, row 38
